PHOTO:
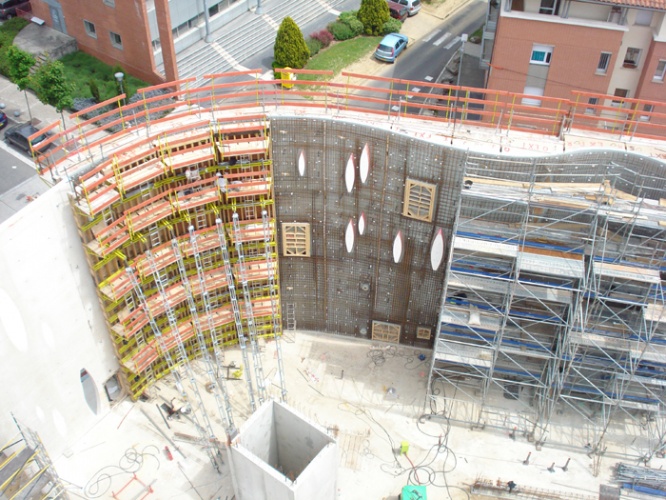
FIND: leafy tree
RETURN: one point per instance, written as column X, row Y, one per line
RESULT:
column 19, row 64
column 373, row 14
column 53, row 88
column 290, row 49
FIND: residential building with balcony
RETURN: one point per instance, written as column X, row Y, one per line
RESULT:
column 611, row 53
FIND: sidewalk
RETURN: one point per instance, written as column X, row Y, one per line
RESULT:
column 17, row 110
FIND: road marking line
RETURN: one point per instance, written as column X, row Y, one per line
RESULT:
column 271, row 22
column 428, row 78
column 442, row 39
column 228, row 57
column 431, row 35
column 328, row 7
column 452, row 43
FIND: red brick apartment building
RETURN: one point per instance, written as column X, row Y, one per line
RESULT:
column 142, row 36
column 115, row 31
column 598, row 47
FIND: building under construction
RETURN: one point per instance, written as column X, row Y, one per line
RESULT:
column 533, row 283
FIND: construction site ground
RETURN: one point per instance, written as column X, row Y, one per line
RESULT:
column 371, row 397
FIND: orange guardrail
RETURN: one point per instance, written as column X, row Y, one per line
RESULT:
column 381, row 97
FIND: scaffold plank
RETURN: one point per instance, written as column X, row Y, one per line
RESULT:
column 464, row 354
column 551, row 266
column 626, row 272
column 482, row 246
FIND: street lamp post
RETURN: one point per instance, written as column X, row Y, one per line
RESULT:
column 119, row 76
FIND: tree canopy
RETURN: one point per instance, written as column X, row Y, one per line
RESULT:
column 19, row 64
column 290, row 49
column 52, row 86
column 373, row 14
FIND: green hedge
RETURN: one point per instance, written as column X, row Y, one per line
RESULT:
column 340, row 31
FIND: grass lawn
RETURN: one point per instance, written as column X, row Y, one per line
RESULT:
column 340, row 55
column 80, row 68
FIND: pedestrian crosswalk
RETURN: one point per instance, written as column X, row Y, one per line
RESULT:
column 439, row 38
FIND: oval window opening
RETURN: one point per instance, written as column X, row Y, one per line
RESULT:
column 350, row 173
column 301, row 163
column 349, row 236
column 437, row 250
column 89, row 390
column 361, row 224
column 364, row 164
column 398, row 248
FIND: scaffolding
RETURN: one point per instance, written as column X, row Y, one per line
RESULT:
column 155, row 217
column 26, row 471
column 554, row 298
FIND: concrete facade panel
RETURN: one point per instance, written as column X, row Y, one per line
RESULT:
column 51, row 326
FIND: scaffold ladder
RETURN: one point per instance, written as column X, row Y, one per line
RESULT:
column 272, row 270
column 242, row 340
column 218, row 382
column 249, row 313
column 182, row 355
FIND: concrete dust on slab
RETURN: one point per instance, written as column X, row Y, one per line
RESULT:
column 370, row 396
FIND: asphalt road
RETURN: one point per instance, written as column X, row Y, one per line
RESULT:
column 15, row 167
column 425, row 59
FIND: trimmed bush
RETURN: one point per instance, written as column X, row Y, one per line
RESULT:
column 392, row 26
column 290, row 50
column 324, row 36
column 373, row 14
column 348, row 15
column 94, row 90
column 355, row 25
column 340, row 31
column 314, row 46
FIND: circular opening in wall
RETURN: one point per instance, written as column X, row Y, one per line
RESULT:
column 89, row 390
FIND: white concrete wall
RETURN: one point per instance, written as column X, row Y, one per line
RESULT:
column 659, row 26
column 253, row 480
column 305, row 452
column 582, row 10
column 638, row 37
column 320, row 478
column 298, row 440
column 259, row 437
column 51, row 326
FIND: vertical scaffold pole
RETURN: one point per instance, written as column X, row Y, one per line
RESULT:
column 216, row 385
column 272, row 271
column 206, row 433
column 249, row 313
column 242, row 340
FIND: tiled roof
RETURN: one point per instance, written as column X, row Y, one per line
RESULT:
column 647, row 4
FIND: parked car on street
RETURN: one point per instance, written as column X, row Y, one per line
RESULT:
column 18, row 136
column 391, row 46
column 398, row 11
column 414, row 6
column 3, row 119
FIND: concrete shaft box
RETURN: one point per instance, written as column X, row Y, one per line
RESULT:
column 280, row 455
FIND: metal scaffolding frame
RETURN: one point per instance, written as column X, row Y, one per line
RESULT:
column 242, row 338
column 207, row 434
column 553, row 297
column 275, row 302
column 215, row 381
